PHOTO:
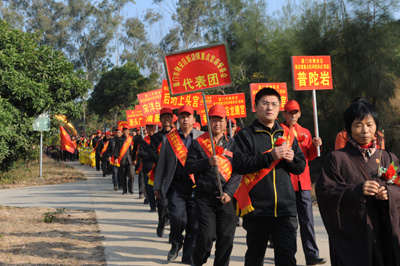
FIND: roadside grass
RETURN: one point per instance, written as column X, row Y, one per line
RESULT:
column 28, row 174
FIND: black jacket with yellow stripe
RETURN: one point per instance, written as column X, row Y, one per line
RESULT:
column 273, row 195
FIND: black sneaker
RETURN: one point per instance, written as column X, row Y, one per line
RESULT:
column 173, row 254
column 315, row 261
column 160, row 228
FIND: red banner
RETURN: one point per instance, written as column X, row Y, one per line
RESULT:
column 123, row 124
column 235, row 105
column 198, row 69
column 152, row 119
column 150, row 102
column 66, row 143
column 194, row 100
column 202, row 112
column 312, row 73
column 134, row 118
column 280, row 87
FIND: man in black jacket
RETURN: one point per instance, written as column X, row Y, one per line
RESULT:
column 109, row 155
column 215, row 213
column 124, row 160
column 95, row 143
column 101, row 149
column 172, row 181
column 266, row 154
column 154, row 151
column 147, row 165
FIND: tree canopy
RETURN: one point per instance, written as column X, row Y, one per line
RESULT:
column 33, row 78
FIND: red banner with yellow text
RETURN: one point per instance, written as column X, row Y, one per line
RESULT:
column 198, row 69
column 152, row 119
column 312, row 73
column 135, row 118
column 194, row 100
column 280, row 87
column 150, row 102
column 235, row 105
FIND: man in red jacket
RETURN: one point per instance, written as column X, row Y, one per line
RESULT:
column 302, row 183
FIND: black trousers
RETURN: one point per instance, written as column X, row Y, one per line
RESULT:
column 216, row 222
column 182, row 215
column 141, row 185
column 149, row 191
column 98, row 161
column 105, row 167
column 283, row 232
column 306, row 221
column 162, row 209
column 125, row 177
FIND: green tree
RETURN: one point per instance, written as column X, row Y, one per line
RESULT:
column 33, row 78
column 119, row 87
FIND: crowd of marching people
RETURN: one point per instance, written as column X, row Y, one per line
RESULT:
column 201, row 182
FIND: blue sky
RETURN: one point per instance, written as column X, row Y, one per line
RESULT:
column 166, row 9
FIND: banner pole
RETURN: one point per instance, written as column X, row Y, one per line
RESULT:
column 41, row 154
column 230, row 128
column 212, row 143
column 314, row 94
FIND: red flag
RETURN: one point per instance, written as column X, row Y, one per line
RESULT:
column 66, row 143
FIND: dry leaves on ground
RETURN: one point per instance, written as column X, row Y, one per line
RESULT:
column 73, row 238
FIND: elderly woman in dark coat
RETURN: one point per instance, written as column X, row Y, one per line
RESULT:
column 359, row 207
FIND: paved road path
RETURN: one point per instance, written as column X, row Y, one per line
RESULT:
column 129, row 229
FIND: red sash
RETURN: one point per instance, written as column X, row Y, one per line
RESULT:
column 250, row 180
column 152, row 171
column 95, row 147
column 104, row 149
column 179, row 148
column 224, row 165
column 123, row 150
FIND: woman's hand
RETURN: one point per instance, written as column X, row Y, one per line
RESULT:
column 382, row 194
column 370, row 188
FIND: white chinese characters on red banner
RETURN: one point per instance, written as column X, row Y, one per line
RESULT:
column 280, row 87
column 312, row 73
column 198, row 69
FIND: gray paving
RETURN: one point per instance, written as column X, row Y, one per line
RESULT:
column 126, row 223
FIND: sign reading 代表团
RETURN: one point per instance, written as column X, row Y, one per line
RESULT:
column 198, row 69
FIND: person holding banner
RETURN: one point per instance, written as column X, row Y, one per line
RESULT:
column 215, row 213
column 172, row 181
column 302, row 183
column 123, row 156
column 166, row 117
column 266, row 154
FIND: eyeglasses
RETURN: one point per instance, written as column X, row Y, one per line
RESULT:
column 272, row 104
